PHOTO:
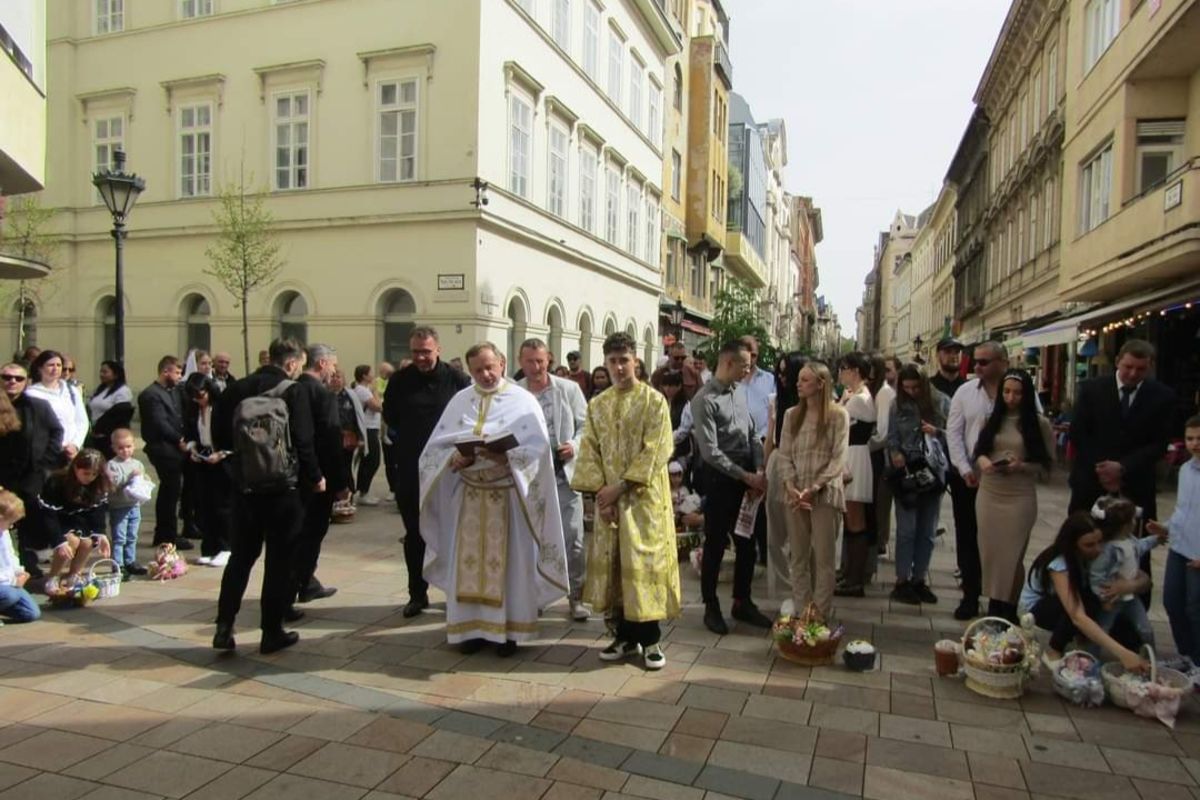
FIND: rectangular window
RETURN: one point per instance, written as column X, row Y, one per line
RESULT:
column 633, row 224
column 195, row 150
column 291, row 141
column 1159, row 150
column 1020, row 248
column 1052, row 79
column 562, row 24
column 1048, row 204
column 672, row 270
column 591, row 39
column 652, row 249
column 1035, row 246
column 612, row 204
column 1101, row 20
column 1095, row 189
column 196, row 8
column 520, row 140
column 676, row 174
column 1024, row 119
column 587, row 189
column 654, row 115
column 109, row 136
column 616, row 65
column 698, row 265
column 557, row 190
column 110, row 16
column 637, row 75
column 1037, row 102
column 397, row 131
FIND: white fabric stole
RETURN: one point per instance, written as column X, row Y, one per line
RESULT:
column 534, row 570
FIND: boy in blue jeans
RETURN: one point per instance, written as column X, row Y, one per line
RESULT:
column 16, row 604
column 1181, row 588
column 124, row 510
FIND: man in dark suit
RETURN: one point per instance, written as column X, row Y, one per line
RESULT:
column 1121, row 428
column 160, row 406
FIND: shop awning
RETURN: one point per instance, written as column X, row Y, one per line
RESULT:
column 695, row 327
column 1067, row 329
column 1062, row 331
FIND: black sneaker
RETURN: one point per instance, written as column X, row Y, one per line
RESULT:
column 134, row 568
column 293, row 614
column 182, row 544
column 745, row 611
column 223, row 639
column 414, row 607
column 849, row 590
column 713, row 619
column 619, row 650
column 905, row 592
column 318, row 592
column 967, row 609
column 471, row 646
column 923, row 593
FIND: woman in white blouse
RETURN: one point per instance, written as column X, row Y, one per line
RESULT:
column 853, row 372
column 66, row 401
column 110, row 407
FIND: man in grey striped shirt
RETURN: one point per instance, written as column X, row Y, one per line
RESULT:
column 732, row 459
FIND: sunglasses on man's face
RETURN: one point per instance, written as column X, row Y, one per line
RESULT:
column 983, row 362
column 7, row 378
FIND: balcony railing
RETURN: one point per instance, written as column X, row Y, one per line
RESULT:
column 722, row 63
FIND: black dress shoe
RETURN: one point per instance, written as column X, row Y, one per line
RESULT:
column 293, row 614
column 471, row 646
column 182, row 544
column 967, row 609
column 745, row 611
column 713, row 619
column 849, row 590
column 223, row 640
column 507, row 649
column 273, row 643
column 415, row 606
column 319, row 592
column 134, row 568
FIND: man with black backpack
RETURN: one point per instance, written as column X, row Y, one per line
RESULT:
column 266, row 421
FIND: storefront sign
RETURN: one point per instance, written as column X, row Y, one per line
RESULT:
column 451, row 282
column 1173, row 195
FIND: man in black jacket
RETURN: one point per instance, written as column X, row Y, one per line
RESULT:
column 1120, row 430
column 318, row 506
column 413, row 403
column 160, row 406
column 270, row 517
column 27, row 456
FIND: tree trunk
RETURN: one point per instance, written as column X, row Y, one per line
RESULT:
column 245, row 334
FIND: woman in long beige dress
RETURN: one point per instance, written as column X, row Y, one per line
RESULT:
column 1014, row 448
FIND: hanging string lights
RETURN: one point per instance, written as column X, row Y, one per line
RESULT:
column 1138, row 319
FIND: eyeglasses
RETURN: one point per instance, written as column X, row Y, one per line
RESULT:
column 983, row 362
column 12, row 378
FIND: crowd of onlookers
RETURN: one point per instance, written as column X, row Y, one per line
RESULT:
column 841, row 466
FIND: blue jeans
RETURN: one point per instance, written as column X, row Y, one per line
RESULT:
column 124, row 523
column 1133, row 612
column 1181, row 597
column 916, row 529
column 18, row 605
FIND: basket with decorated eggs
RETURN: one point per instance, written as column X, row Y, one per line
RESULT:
column 807, row 639
column 998, row 657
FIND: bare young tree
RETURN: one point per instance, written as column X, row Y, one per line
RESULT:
column 25, row 232
column 245, row 256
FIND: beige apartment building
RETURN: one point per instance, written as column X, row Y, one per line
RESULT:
column 491, row 168
column 931, row 298
column 894, row 244
column 22, row 131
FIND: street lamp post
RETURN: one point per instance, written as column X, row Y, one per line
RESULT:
column 678, row 314
column 918, row 343
column 120, row 191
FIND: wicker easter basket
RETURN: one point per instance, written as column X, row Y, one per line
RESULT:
column 1000, row 681
column 816, row 654
column 1117, row 691
column 110, row 584
column 1089, row 692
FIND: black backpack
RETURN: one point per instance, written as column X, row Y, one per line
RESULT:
column 262, row 441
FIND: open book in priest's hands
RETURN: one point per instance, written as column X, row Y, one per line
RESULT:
column 495, row 443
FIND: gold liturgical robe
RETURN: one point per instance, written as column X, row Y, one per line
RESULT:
column 633, row 564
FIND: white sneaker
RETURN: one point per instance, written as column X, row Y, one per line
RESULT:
column 619, row 650
column 579, row 611
column 388, row 497
column 654, row 658
column 220, row 559
column 205, row 561
column 368, row 500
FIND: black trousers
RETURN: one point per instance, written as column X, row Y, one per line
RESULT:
column 643, row 633
column 191, row 512
column 166, row 504
column 214, row 494
column 1050, row 615
column 272, row 520
column 369, row 464
column 318, row 507
column 966, row 536
column 723, row 501
column 414, row 546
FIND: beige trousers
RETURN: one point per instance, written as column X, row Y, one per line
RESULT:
column 811, row 537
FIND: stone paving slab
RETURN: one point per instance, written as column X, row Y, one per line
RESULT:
column 125, row 700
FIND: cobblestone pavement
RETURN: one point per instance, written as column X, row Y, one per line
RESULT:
column 126, row 700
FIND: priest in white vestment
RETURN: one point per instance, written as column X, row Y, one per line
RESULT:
column 493, row 534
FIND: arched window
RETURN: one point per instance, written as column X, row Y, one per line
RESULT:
column 610, row 327
column 25, row 320
column 516, row 332
column 291, row 317
column 585, row 340
column 555, row 341
column 106, row 324
column 396, row 311
column 197, row 332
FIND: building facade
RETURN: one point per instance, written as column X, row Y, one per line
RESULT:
column 22, row 125
column 490, row 168
column 807, row 233
column 968, row 175
column 930, row 303
column 894, row 244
